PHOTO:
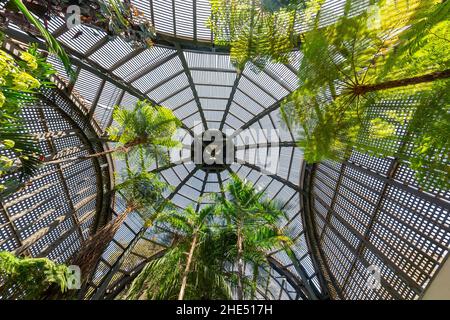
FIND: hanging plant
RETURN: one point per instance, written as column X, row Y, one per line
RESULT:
column 17, row 12
column 124, row 20
column 256, row 31
column 117, row 18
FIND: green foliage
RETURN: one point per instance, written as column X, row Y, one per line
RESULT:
column 344, row 76
column 29, row 278
column 20, row 80
column 117, row 18
column 189, row 220
column 161, row 279
column 143, row 191
column 217, row 228
column 124, row 20
column 20, row 155
column 253, row 219
column 326, row 128
column 245, row 202
column 254, row 30
column 145, row 134
column 277, row 5
column 429, row 132
column 423, row 47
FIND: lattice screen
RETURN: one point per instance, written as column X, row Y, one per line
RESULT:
column 60, row 205
column 369, row 211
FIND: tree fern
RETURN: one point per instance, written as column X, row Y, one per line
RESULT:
column 349, row 67
column 254, row 31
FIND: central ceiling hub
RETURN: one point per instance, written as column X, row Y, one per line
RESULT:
column 212, row 150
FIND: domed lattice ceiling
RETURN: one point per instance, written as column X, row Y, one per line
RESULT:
column 205, row 91
column 187, row 20
column 185, row 73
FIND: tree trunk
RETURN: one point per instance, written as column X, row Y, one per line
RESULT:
column 90, row 156
column 188, row 266
column 255, row 279
column 93, row 248
column 240, row 265
column 363, row 89
column 126, row 148
column 88, row 256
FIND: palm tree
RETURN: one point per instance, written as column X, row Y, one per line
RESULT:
column 199, row 264
column 192, row 267
column 190, row 223
column 147, row 126
column 252, row 220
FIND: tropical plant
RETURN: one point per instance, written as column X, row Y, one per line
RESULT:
column 354, row 67
column 143, row 192
column 18, row 156
column 30, row 278
column 20, row 80
column 191, row 268
column 189, row 223
column 253, row 222
column 145, row 128
column 256, row 31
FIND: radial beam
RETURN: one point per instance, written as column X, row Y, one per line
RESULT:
column 230, row 100
column 256, row 118
column 126, row 59
column 93, row 67
column 291, row 279
column 146, row 70
column 192, row 84
column 273, row 176
column 202, row 191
